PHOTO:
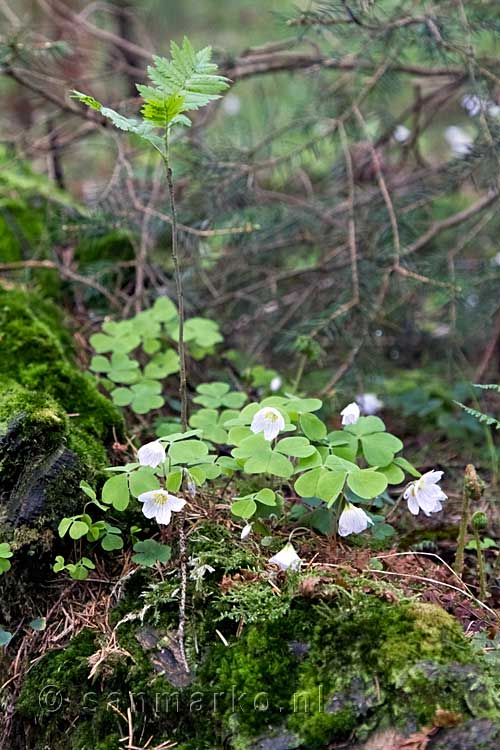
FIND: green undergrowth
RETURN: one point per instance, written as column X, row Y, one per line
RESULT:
column 339, row 662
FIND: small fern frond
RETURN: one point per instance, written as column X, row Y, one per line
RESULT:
column 480, row 416
column 488, row 386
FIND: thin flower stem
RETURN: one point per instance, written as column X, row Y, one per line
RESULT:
column 179, row 290
column 182, row 604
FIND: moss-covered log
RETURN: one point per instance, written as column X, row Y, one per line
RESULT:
column 54, row 424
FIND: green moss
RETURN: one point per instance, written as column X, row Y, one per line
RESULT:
column 361, row 658
column 21, row 227
column 33, row 355
column 320, row 671
column 54, row 424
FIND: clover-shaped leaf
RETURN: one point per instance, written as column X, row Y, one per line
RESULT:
column 187, row 451
column 162, row 365
column 149, row 552
column 379, row 448
column 367, row 483
column 115, row 492
column 312, row 426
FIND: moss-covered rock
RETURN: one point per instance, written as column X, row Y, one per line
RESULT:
column 54, row 424
column 318, row 671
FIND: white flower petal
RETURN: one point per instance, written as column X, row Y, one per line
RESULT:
column 353, row 520
column 368, row 403
column 145, row 496
column 151, row 454
column 350, row 414
column 246, row 531
column 425, row 494
column 163, row 514
column 175, row 503
column 275, row 383
column 431, row 477
column 287, row 558
column 413, row 506
column 269, row 421
column 150, row 509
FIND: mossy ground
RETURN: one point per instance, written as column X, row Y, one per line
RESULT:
column 46, row 403
column 324, row 669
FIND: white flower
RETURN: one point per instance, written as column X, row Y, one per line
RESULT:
column 401, row 133
column 246, row 531
column 287, row 558
column 269, row 421
column 425, row 494
column 159, row 504
column 275, row 383
column 350, row 414
column 473, row 104
column 369, row 403
column 151, row 454
column 353, row 520
column 459, row 140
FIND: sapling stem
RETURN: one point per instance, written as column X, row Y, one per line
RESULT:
column 182, row 603
column 179, row 289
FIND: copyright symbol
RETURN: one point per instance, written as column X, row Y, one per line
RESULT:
column 50, row 699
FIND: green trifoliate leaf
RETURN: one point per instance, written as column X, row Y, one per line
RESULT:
column 115, row 492
column 266, row 497
column 78, row 529
column 164, row 310
column 407, row 466
column 367, row 483
column 313, row 427
column 87, row 489
column 5, row 550
column 302, row 405
column 269, row 463
column 298, row 447
column 99, row 363
column 162, row 365
column 379, row 448
column 366, row 426
column 187, row 451
column 122, row 396
column 394, row 474
column 143, row 480
column 244, row 507
column 174, row 481
column 321, row 483
column 149, row 552
column 111, row 542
